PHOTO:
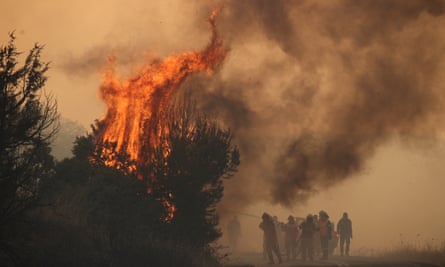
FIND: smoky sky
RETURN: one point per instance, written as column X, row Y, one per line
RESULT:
column 343, row 78
column 310, row 89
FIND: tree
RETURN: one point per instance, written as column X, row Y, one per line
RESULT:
column 100, row 216
column 28, row 121
column 188, row 173
column 107, row 217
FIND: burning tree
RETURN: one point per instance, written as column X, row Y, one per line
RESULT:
column 99, row 210
column 136, row 106
column 93, row 215
column 189, row 171
column 181, row 157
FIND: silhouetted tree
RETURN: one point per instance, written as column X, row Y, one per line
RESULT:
column 28, row 121
column 101, row 216
column 188, row 172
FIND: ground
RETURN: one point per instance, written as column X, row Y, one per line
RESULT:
column 256, row 260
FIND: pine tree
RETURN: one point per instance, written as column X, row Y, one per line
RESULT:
column 28, row 121
column 189, row 173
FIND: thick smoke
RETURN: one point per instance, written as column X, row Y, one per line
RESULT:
column 312, row 88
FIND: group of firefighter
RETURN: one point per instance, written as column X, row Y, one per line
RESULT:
column 302, row 236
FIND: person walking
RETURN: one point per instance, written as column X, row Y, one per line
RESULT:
column 270, row 237
column 325, row 231
column 344, row 229
column 308, row 230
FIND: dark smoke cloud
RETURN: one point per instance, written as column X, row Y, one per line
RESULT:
column 344, row 77
column 310, row 88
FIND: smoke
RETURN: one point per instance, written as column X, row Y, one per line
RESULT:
column 316, row 93
column 312, row 88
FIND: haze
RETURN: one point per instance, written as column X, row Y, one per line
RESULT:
column 335, row 105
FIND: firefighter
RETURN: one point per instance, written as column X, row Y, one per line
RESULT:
column 325, row 231
column 279, row 226
column 308, row 229
column 270, row 237
column 234, row 232
column 290, row 238
column 344, row 228
column 316, row 236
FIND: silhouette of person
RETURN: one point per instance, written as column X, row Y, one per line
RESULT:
column 279, row 227
column 325, row 231
column 344, row 228
column 270, row 237
column 308, row 230
column 290, row 238
column 317, row 245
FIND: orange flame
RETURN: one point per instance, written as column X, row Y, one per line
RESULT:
column 136, row 105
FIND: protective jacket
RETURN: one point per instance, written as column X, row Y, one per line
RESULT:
column 325, row 227
column 344, row 227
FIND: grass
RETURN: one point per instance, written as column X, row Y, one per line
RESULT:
column 427, row 253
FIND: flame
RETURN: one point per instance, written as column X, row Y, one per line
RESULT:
column 136, row 105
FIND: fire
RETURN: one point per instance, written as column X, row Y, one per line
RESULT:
column 169, row 206
column 135, row 106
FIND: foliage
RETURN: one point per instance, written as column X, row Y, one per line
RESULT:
column 106, row 217
column 28, row 121
column 80, row 212
column 189, row 170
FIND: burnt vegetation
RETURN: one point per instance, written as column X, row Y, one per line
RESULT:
column 78, row 211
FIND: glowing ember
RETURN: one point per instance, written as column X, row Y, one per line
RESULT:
column 169, row 207
column 136, row 105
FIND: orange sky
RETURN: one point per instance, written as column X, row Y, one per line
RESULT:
column 319, row 54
